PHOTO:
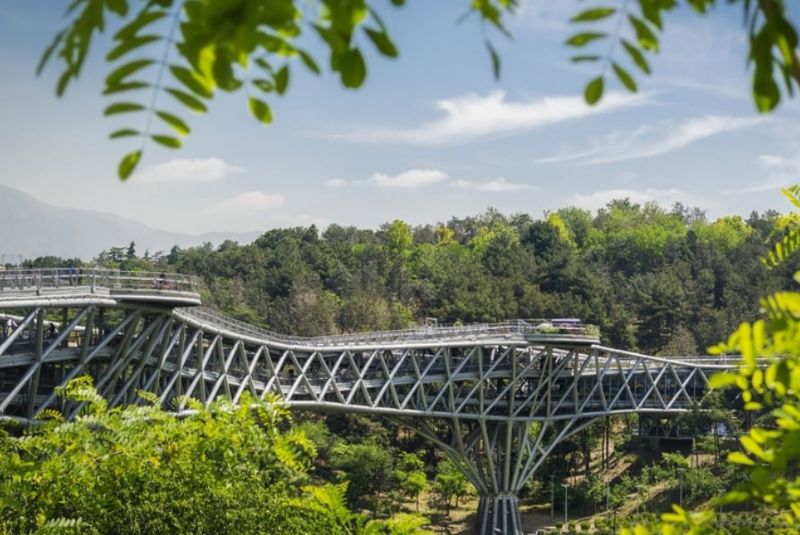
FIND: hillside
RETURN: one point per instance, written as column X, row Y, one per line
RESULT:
column 32, row 228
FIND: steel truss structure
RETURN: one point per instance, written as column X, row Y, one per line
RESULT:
column 497, row 399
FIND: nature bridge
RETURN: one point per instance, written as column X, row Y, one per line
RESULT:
column 508, row 393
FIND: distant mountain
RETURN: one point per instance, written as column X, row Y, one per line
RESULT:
column 32, row 228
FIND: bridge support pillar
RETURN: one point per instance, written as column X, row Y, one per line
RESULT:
column 499, row 457
column 499, row 514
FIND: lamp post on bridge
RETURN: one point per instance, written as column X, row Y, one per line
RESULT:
column 566, row 514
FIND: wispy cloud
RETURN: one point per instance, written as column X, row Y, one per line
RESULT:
column 472, row 117
column 599, row 199
column 648, row 141
column 184, row 170
column 781, row 171
column 336, row 183
column 547, row 15
column 411, row 179
column 247, row 204
column 496, row 185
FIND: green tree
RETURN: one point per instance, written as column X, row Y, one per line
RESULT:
column 410, row 474
column 367, row 467
column 450, row 483
column 138, row 469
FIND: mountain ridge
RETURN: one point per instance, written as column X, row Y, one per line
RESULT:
column 34, row 229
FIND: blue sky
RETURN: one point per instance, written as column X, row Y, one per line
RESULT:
column 431, row 135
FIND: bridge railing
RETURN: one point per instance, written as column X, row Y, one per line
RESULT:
column 509, row 328
column 20, row 280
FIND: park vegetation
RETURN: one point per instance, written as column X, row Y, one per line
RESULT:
column 660, row 281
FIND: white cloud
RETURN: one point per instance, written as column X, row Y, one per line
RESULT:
column 497, row 185
column 413, row 178
column 647, row 141
column 336, row 183
column 470, row 117
column 184, row 170
column 543, row 15
column 247, row 204
column 598, row 199
column 781, row 171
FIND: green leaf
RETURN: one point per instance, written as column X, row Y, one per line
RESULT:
column 382, row 42
column 124, row 132
column 594, row 91
column 187, row 100
column 353, row 69
column 590, row 15
column 652, row 13
column 146, row 16
column 119, row 7
column 496, row 62
column 122, row 107
column 752, row 446
column 309, row 62
column 49, row 52
column 282, row 79
column 584, row 58
column 127, row 86
column 737, row 457
column 167, row 141
column 766, row 93
column 721, row 380
column 260, row 110
column 647, row 39
column 636, row 55
column 584, row 38
column 175, row 122
column 63, row 82
column 625, row 77
column 264, row 85
column 191, row 81
column 118, row 75
column 128, row 164
column 129, row 45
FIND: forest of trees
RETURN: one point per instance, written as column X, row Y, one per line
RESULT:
column 656, row 280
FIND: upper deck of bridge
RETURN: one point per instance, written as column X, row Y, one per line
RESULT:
column 106, row 287
column 21, row 287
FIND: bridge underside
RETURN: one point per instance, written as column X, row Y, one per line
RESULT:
column 506, row 403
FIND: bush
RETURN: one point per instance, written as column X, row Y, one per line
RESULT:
column 138, row 469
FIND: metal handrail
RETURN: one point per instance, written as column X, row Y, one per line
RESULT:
column 511, row 328
column 113, row 279
column 93, row 278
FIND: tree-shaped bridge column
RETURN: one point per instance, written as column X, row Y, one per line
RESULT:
column 499, row 457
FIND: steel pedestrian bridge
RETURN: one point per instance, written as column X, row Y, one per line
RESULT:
column 496, row 398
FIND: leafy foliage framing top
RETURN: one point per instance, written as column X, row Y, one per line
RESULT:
column 638, row 23
column 250, row 45
column 227, row 45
